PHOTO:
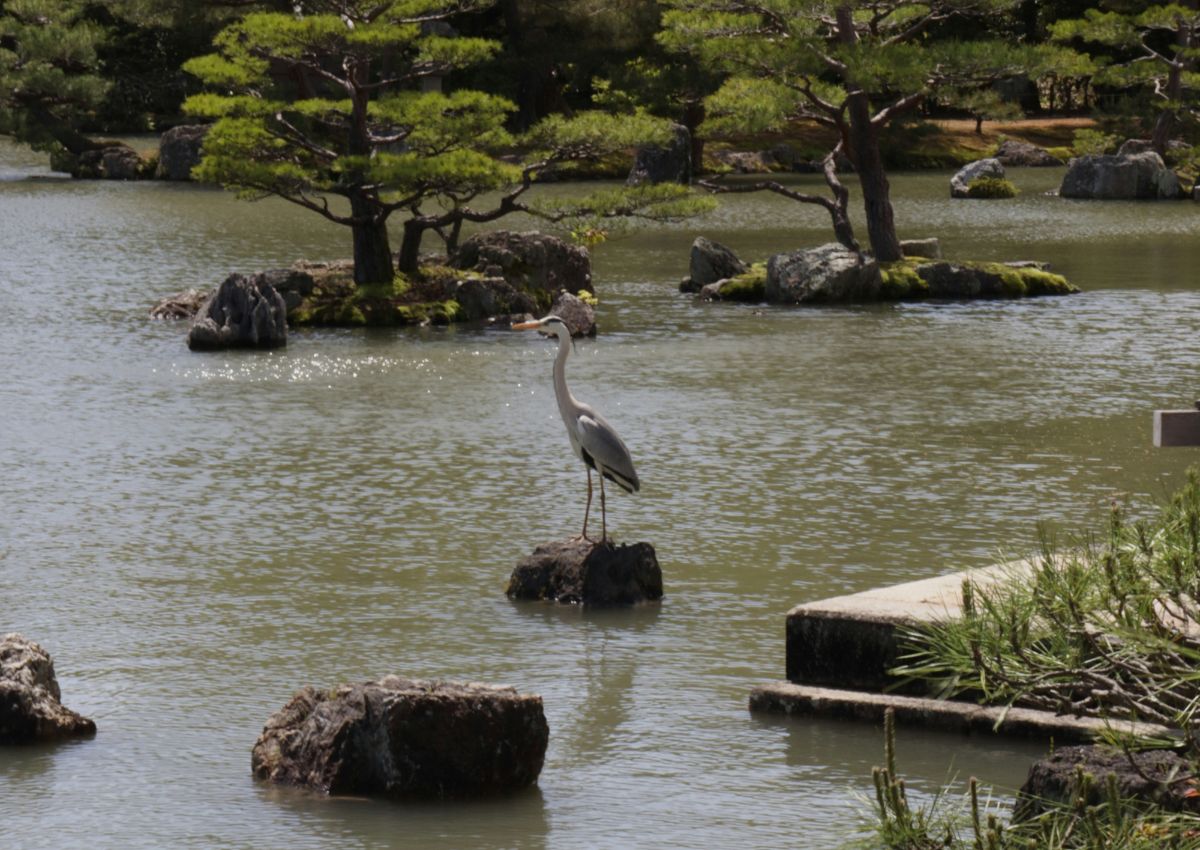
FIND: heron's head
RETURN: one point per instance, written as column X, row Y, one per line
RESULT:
column 549, row 325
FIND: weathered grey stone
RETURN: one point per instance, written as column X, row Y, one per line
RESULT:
column 929, row 248
column 747, row 162
column 181, row 305
column 400, row 738
column 479, row 298
column 244, row 312
column 115, row 162
column 711, row 261
column 712, row 291
column 1142, row 176
column 179, row 151
column 828, row 274
column 670, row 163
column 960, row 183
column 583, row 571
column 954, row 280
column 29, row 696
column 1131, row 147
column 294, row 284
column 1054, row 780
column 1012, row 152
column 577, row 313
column 532, row 262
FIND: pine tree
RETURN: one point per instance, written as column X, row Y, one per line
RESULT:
column 1157, row 49
column 853, row 67
column 346, row 102
column 48, row 72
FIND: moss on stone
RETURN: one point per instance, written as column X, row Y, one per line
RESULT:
column 899, row 281
column 903, row 281
column 990, row 188
column 750, row 285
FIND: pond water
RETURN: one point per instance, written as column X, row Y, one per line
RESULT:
column 195, row 536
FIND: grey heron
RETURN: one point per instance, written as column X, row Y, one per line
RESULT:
column 595, row 442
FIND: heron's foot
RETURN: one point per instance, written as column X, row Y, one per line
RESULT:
column 580, row 538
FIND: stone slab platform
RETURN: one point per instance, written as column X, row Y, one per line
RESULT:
column 851, row 641
column 1176, row 428
column 792, row 699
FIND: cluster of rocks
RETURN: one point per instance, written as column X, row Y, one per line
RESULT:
column 179, row 151
column 832, row 274
column 500, row 276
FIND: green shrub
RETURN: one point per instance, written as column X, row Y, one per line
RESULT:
column 1093, row 142
column 991, row 188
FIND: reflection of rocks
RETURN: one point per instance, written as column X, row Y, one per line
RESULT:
column 179, row 151
column 1013, row 152
column 960, row 183
column 29, row 696
column 1138, row 176
column 400, row 737
column 533, row 262
column 670, row 163
column 710, row 262
column 828, row 274
column 244, row 312
column 582, row 571
column 1144, row 776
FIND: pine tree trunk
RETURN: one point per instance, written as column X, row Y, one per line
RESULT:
column 872, row 179
column 864, row 151
column 410, row 247
column 372, row 252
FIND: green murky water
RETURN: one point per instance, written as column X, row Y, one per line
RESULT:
column 194, row 536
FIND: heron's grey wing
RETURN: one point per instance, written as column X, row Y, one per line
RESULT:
column 600, row 441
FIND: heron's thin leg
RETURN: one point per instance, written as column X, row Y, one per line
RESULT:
column 588, row 509
column 603, row 514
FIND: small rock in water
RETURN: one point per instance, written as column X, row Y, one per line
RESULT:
column 246, row 311
column 404, row 738
column 29, row 696
column 583, row 571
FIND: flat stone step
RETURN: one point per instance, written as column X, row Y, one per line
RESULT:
column 851, row 641
column 792, row 699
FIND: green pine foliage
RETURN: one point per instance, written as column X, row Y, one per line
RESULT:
column 49, row 80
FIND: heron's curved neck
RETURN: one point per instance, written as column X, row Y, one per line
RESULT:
column 561, row 392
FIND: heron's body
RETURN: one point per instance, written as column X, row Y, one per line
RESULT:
column 593, row 440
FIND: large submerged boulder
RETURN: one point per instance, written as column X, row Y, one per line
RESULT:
column 114, row 161
column 405, row 738
column 30, row 709
column 1146, row 776
column 669, row 163
column 960, row 183
column 179, row 151
column 1133, row 176
column 532, row 262
column 587, row 572
column 246, row 311
column 831, row 273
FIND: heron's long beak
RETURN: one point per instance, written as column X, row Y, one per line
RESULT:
column 525, row 326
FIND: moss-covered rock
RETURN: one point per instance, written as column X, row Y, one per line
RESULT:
column 991, row 188
column 749, row 286
column 914, row 278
